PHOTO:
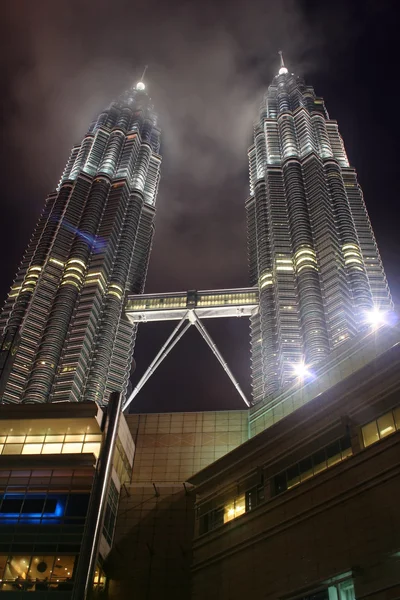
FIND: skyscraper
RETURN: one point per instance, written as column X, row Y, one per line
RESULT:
column 312, row 251
column 63, row 334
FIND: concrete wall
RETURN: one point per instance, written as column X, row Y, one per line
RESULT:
column 345, row 519
column 170, row 447
column 152, row 549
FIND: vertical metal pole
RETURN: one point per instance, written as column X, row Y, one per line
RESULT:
column 98, row 501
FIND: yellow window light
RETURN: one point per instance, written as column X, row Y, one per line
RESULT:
column 56, row 262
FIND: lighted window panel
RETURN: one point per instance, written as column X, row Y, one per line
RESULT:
column 381, row 427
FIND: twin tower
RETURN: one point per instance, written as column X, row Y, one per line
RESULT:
column 313, row 257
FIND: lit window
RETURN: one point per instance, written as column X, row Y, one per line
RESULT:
column 370, row 433
column 92, row 447
column 34, row 439
column 72, row 448
column 74, row 438
column 54, row 438
column 235, row 508
column 386, row 425
column 51, row 448
column 12, row 448
column 32, row 448
column 15, row 439
column 380, row 428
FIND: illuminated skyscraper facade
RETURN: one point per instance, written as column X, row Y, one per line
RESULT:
column 312, row 251
column 63, row 334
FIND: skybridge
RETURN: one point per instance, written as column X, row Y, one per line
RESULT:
column 189, row 308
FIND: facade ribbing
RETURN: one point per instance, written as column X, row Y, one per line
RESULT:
column 63, row 334
column 312, row 251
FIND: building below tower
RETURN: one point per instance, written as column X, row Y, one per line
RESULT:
column 305, row 509
column 49, row 466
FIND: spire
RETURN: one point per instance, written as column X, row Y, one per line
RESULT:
column 140, row 84
column 283, row 70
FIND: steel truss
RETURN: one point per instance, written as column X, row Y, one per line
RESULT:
column 188, row 317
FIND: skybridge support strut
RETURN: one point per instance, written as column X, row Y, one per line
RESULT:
column 165, row 350
column 206, row 336
column 190, row 318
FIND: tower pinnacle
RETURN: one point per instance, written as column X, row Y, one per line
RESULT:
column 283, row 70
column 140, row 84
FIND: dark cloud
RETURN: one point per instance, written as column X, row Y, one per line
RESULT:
column 209, row 65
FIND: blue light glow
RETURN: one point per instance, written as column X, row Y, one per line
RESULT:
column 93, row 241
column 34, row 517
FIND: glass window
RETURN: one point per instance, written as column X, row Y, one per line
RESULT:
column 396, row 414
column 293, row 476
column 77, row 505
column 235, row 508
column 252, row 498
column 51, row 448
column 15, row 439
column 280, row 483
column 345, row 446
column 92, row 447
column 99, row 580
column 51, row 439
column 370, row 433
column 62, row 573
column 34, row 439
column 333, row 454
column 386, row 424
column 50, row 506
column 204, row 523
column 32, row 449
column 41, row 568
column 218, row 517
column 93, row 437
column 33, row 506
column 72, row 448
column 346, row 590
column 12, row 448
column 16, row 570
column 306, row 469
column 229, row 512
column 3, row 561
column 11, row 505
column 319, row 460
column 74, row 438
column 240, row 505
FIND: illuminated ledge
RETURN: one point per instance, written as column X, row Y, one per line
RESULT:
column 49, row 430
column 48, row 434
column 208, row 304
column 22, row 416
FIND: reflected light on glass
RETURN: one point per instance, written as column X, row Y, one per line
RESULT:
column 302, row 371
column 377, row 318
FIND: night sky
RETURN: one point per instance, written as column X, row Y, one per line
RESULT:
column 209, row 65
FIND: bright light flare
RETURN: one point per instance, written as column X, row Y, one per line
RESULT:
column 302, row 371
column 376, row 317
column 283, row 71
column 140, row 86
